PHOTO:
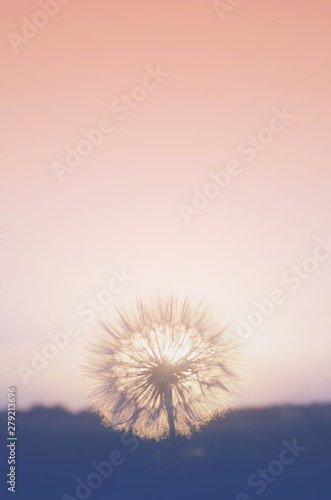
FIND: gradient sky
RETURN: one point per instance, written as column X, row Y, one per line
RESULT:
column 120, row 207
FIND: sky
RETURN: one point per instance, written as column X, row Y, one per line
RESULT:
column 182, row 91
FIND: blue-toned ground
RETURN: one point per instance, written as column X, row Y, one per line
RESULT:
column 284, row 453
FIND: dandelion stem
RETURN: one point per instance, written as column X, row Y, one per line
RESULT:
column 170, row 411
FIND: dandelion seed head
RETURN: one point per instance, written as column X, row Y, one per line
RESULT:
column 162, row 367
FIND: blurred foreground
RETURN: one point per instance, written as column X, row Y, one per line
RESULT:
column 284, row 452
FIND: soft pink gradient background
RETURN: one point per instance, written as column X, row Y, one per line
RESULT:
column 120, row 207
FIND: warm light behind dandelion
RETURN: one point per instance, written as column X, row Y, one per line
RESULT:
column 162, row 367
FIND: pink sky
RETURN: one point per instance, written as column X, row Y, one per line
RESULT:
column 120, row 206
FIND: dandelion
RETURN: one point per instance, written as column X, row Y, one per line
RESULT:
column 164, row 367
